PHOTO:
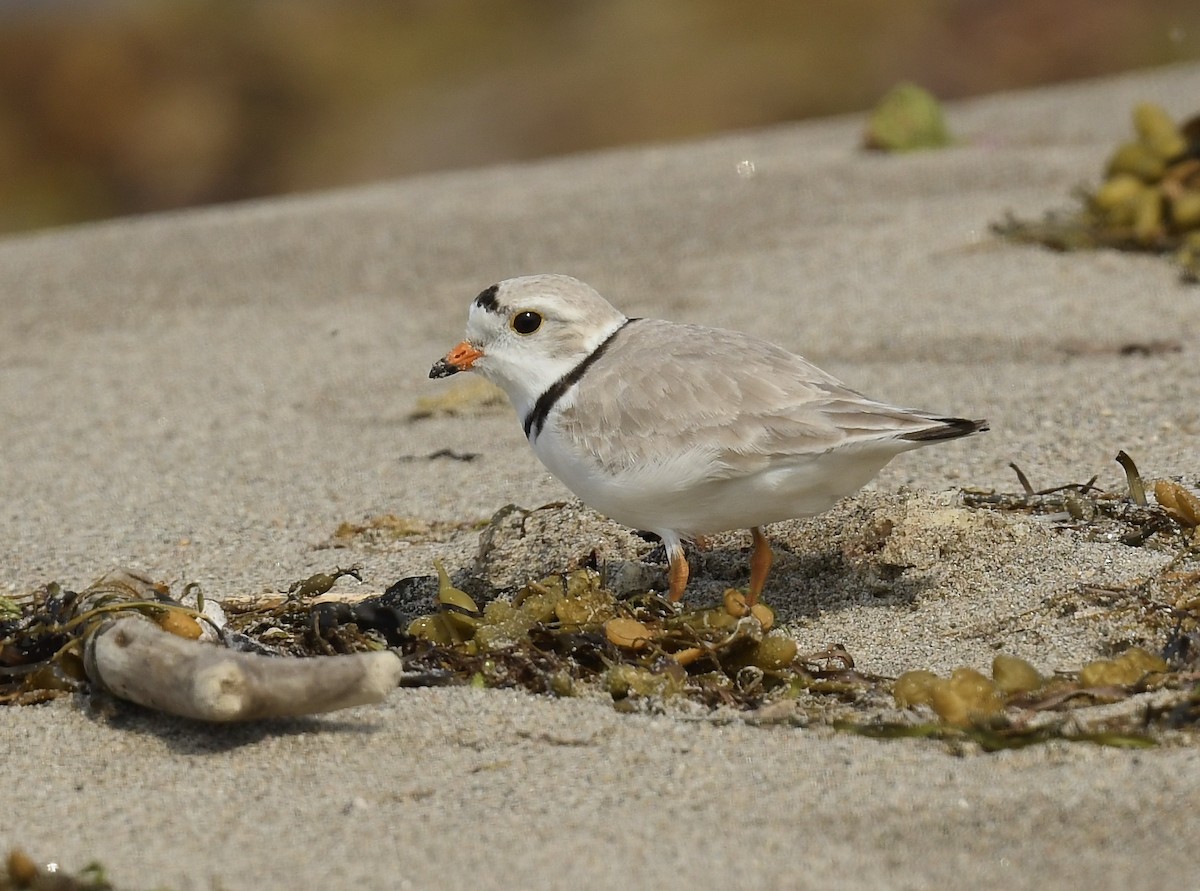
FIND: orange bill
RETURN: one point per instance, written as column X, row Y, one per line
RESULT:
column 461, row 358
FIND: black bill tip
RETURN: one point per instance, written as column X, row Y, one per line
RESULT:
column 442, row 368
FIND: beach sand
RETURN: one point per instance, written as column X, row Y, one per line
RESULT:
column 206, row 396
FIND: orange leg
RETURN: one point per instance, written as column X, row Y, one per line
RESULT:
column 677, row 573
column 760, row 564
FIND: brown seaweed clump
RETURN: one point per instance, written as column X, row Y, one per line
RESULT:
column 21, row 872
column 1018, row 706
column 567, row 634
column 567, row 630
column 907, row 119
column 1149, row 200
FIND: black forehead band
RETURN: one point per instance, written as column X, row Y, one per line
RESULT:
column 487, row 299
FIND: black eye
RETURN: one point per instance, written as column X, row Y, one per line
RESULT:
column 526, row 322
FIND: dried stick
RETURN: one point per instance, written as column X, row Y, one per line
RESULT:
column 132, row 658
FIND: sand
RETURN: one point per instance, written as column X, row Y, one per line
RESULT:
column 206, row 396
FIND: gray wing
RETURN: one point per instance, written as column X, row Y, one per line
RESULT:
column 742, row 403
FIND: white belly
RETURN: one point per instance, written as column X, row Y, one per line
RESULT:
column 683, row 495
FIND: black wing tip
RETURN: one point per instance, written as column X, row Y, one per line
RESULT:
column 952, row 428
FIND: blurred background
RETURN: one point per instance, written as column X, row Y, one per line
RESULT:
column 112, row 107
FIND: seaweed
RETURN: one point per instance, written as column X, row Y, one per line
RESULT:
column 1149, row 201
column 21, row 872
column 567, row 634
column 1102, row 515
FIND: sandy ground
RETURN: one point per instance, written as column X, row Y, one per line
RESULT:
column 206, row 396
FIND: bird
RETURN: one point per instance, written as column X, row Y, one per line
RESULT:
column 678, row 429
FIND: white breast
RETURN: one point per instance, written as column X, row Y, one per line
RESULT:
column 688, row 492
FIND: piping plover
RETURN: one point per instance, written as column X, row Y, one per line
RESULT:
column 677, row 429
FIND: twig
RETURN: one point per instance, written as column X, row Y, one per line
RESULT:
column 1022, row 479
column 1137, row 490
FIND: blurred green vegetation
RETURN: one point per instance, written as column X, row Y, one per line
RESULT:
column 114, row 107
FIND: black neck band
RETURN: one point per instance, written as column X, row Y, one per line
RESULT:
column 536, row 419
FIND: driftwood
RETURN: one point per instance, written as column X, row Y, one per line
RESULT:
column 132, row 658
